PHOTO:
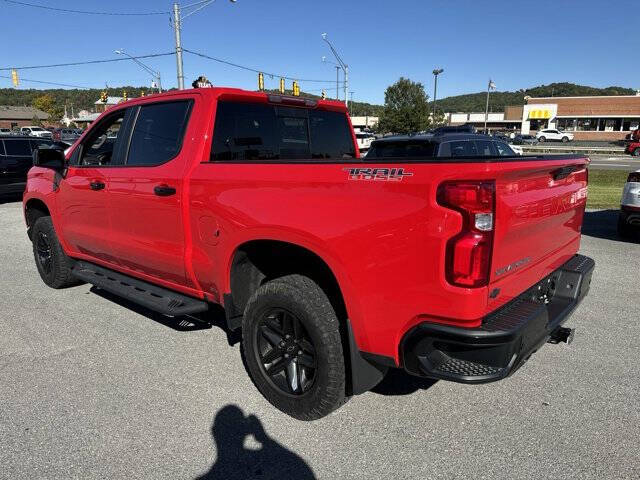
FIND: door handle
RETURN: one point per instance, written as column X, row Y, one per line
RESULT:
column 164, row 190
column 96, row 185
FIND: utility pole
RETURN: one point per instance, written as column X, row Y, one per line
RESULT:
column 176, row 28
column 486, row 111
column 337, row 82
column 436, row 72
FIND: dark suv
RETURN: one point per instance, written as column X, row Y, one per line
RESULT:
column 444, row 145
column 15, row 162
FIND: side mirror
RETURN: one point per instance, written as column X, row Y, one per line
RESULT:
column 48, row 158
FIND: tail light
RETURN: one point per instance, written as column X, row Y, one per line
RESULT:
column 634, row 177
column 468, row 256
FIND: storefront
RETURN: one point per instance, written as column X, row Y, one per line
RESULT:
column 589, row 118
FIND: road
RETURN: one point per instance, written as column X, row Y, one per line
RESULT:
column 93, row 388
column 615, row 162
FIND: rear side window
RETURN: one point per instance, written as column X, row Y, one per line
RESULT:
column 504, row 150
column 158, row 132
column 461, row 148
column 401, row 149
column 486, row 148
column 252, row 131
column 18, row 147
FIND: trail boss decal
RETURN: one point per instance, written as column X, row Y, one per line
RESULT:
column 383, row 174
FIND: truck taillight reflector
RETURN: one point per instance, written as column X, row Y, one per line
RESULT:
column 469, row 252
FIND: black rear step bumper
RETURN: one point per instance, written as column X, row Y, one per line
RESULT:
column 507, row 337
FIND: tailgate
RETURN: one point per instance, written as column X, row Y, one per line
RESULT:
column 539, row 211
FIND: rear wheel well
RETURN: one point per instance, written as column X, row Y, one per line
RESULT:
column 259, row 261
column 33, row 211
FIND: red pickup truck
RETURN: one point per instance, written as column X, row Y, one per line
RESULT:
column 335, row 268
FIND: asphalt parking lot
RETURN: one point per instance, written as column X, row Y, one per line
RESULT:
column 93, row 388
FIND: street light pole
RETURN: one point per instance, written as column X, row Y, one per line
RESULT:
column 337, row 82
column 146, row 68
column 344, row 66
column 436, row 72
column 486, row 111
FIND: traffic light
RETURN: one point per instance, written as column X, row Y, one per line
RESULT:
column 142, row 93
column 282, row 85
column 14, row 77
column 260, row 81
column 124, row 96
column 324, row 94
column 296, row 89
column 103, row 97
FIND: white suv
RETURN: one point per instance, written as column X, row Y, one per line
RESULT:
column 551, row 134
column 36, row 132
column 629, row 217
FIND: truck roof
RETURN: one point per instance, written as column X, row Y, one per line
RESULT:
column 247, row 95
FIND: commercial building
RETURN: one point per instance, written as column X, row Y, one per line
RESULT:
column 495, row 121
column 16, row 117
column 589, row 118
column 365, row 122
column 607, row 118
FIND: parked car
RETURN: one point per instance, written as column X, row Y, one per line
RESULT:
column 525, row 140
column 364, row 140
column 68, row 135
column 15, row 161
column 554, row 135
column 501, row 136
column 36, row 132
column 629, row 216
column 332, row 269
column 6, row 131
column 444, row 145
column 633, row 148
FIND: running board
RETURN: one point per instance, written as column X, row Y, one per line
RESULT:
column 150, row 296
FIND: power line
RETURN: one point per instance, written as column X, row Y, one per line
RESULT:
column 85, row 12
column 49, row 83
column 88, row 62
column 243, row 67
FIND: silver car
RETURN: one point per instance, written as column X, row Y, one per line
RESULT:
column 629, row 217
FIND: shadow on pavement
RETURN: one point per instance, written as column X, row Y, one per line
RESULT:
column 263, row 458
column 604, row 224
column 399, row 382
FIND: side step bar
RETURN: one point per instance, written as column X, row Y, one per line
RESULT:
column 150, row 296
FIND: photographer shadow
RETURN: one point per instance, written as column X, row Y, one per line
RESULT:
column 235, row 460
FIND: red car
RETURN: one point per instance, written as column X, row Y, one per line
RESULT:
column 335, row 268
column 633, row 148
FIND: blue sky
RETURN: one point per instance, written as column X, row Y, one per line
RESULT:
column 517, row 43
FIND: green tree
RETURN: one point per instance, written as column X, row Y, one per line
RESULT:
column 406, row 108
column 47, row 104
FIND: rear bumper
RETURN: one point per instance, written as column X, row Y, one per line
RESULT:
column 507, row 337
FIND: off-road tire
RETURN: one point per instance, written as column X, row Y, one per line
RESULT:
column 59, row 274
column 303, row 298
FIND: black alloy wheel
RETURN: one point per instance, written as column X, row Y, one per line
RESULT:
column 287, row 355
column 44, row 252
